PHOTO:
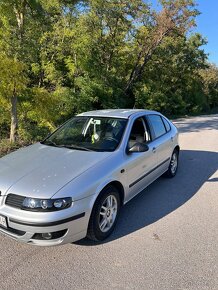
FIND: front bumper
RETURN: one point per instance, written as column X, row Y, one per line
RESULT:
column 65, row 226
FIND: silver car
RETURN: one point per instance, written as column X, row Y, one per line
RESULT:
column 73, row 184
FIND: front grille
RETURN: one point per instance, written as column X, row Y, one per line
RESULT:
column 14, row 200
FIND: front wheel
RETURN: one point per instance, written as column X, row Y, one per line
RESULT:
column 104, row 214
column 173, row 166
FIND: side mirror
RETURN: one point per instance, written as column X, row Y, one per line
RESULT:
column 138, row 147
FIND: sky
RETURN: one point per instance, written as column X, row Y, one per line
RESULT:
column 207, row 25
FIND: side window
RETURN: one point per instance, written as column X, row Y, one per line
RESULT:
column 139, row 133
column 157, row 124
column 167, row 125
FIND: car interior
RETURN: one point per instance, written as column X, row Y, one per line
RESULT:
column 139, row 133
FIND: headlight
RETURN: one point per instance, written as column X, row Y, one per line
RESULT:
column 36, row 204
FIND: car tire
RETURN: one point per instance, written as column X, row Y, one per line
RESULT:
column 104, row 214
column 173, row 166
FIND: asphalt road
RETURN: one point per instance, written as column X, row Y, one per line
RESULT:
column 166, row 238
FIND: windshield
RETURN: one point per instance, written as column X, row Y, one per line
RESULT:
column 89, row 133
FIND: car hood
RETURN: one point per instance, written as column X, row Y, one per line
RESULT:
column 40, row 171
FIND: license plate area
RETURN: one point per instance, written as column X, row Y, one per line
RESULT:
column 3, row 222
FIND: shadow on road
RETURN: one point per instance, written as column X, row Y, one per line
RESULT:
column 165, row 195
column 202, row 124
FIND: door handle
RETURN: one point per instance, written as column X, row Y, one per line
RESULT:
column 154, row 149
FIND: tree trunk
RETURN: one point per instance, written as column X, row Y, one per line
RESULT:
column 19, row 12
column 14, row 119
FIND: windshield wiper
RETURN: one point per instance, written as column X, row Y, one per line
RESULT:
column 49, row 142
column 76, row 147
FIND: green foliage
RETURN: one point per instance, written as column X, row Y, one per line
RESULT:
column 171, row 81
column 61, row 57
column 210, row 85
column 12, row 75
column 6, row 147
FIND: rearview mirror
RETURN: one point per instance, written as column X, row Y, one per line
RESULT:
column 139, row 147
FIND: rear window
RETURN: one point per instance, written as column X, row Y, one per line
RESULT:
column 158, row 125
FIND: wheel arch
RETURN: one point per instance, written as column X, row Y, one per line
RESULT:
column 115, row 183
column 118, row 185
column 177, row 148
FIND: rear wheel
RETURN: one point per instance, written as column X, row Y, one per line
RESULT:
column 104, row 214
column 173, row 166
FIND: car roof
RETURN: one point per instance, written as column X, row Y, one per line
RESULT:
column 116, row 113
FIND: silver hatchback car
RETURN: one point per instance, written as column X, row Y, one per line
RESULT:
column 73, row 184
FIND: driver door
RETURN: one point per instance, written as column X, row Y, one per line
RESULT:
column 139, row 165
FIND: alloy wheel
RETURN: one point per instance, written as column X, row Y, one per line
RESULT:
column 108, row 213
column 174, row 163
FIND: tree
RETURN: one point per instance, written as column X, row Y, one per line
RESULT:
column 176, row 17
column 114, row 40
column 13, row 81
column 171, row 82
column 210, row 85
column 62, row 57
column 13, row 16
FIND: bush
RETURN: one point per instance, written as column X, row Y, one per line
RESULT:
column 6, row 147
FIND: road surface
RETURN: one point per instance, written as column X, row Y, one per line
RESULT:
column 166, row 238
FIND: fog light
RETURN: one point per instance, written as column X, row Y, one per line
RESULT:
column 46, row 236
column 49, row 236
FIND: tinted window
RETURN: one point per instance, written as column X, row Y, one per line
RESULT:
column 167, row 125
column 158, row 125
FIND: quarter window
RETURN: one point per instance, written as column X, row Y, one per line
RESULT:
column 158, row 125
column 167, row 125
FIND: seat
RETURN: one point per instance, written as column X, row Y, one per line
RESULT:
column 137, row 134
